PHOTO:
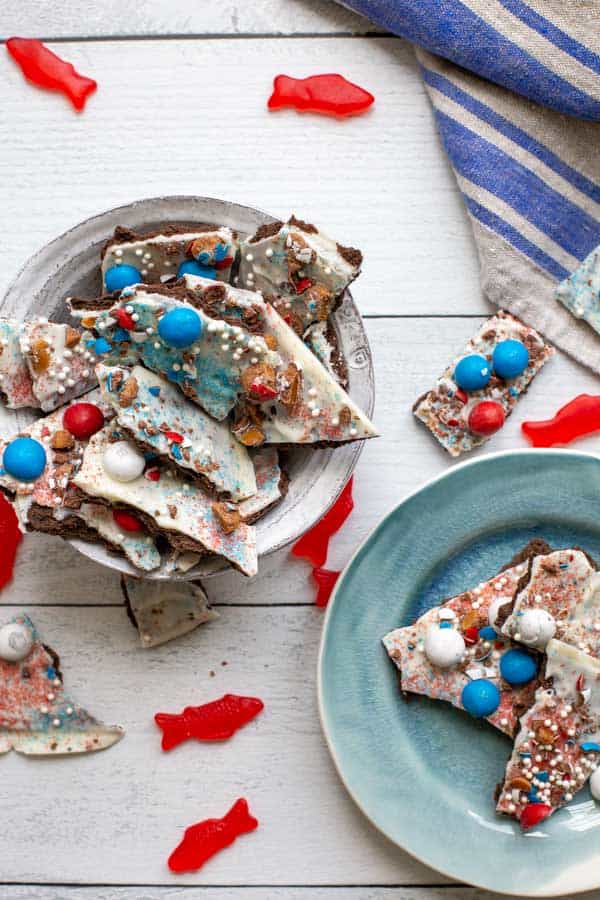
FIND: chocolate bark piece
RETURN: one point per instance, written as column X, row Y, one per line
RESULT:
column 560, row 599
column 580, row 292
column 300, row 270
column 16, row 388
column 165, row 610
column 60, row 362
column 470, row 614
column 178, row 510
column 557, row 747
column 52, row 489
column 161, row 420
column 280, row 391
column 37, row 718
column 271, row 485
column 445, row 409
column 158, row 254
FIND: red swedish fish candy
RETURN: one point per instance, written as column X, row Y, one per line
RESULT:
column 47, row 70
column 330, row 94
column 326, row 580
column 10, row 538
column 577, row 418
column 313, row 545
column 486, row 418
column 533, row 814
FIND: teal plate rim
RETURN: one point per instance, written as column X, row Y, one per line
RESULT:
column 522, row 867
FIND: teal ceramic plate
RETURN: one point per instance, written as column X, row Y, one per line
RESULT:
column 423, row 772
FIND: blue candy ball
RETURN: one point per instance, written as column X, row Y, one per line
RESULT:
column 180, row 327
column 472, row 373
column 480, row 697
column 118, row 277
column 193, row 267
column 518, row 666
column 24, row 459
column 488, row 633
column 510, row 359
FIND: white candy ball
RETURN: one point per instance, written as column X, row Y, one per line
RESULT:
column 536, row 627
column 16, row 642
column 595, row 785
column 123, row 462
column 444, row 647
column 494, row 609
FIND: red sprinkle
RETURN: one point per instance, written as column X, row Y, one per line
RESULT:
column 575, row 419
column 152, row 474
column 471, row 635
column 326, row 580
column 533, row 814
column 302, row 285
column 124, row 319
column 215, row 721
column 224, row 263
column 10, row 538
column 47, row 70
column 580, row 683
column 452, row 423
column 314, row 544
column 461, row 395
column 331, row 95
column 203, row 840
column 174, row 437
column 263, row 391
column 126, row 521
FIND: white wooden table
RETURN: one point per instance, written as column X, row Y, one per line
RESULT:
column 181, row 109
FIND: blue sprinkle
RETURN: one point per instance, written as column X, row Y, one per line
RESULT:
column 155, row 391
column 128, row 292
column 532, row 796
column 109, row 381
column 121, row 335
column 543, row 775
column 150, row 456
column 525, row 755
column 90, row 344
column 564, row 566
column 513, row 392
column 445, row 624
column 488, row 633
column 176, row 451
column 411, row 646
column 101, row 345
column 51, row 673
column 590, row 747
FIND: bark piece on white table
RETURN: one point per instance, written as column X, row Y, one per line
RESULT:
column 445, row 410
column 36, row 717
column 164, row 610
column 580, row 292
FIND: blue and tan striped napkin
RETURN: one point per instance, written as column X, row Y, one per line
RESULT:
column 516, row 91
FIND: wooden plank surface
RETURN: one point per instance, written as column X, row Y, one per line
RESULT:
column 38, row 18
column 379, row 181
column 114, row 817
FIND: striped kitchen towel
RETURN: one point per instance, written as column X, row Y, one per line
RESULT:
column 520, row 131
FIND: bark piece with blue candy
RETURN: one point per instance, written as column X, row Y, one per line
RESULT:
column 472, row 400
column 455, row 652
column 169, row 252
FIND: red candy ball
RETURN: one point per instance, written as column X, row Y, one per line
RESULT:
column 533, row 814
column 126, row 521
column 486, row 417
column 83, row 420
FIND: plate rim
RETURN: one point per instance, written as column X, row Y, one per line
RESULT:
column 529, row 451
column 122, row 565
